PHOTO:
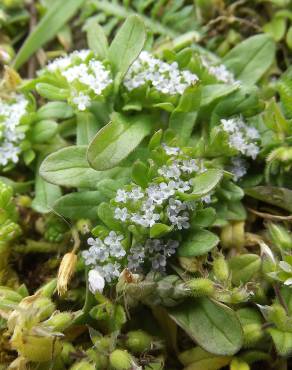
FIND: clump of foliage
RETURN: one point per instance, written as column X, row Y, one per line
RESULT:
column 145, row 189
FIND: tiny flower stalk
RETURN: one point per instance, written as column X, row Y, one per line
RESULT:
column 121, row 360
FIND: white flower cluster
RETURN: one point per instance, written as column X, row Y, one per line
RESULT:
column 155, row 250
column 102, row 255
column 86, row 76
column 164, row 77
column 11, row 133
column 144, row 207
column 241, row 137
column 220, row 72
column 238, row 168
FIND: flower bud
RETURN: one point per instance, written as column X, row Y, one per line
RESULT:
column 190, row 264
column 23, row 201
column 278, row 316
column 36, row 348
column 48, row 289
column 9, row 294
column 232, row 235
column 42, row 306
column 83, row 226
column 221, row 269
column 121, row 360
column 83, row 365
column 96, row 282
column 280, row 236
column 99, row 358
column 200, row 287
column 66, row 271
column 60, row 321
column 67, row 350
column 252, row 334
column 138, row 341
column 237, row 364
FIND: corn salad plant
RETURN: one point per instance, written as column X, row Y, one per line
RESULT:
column 145, row 185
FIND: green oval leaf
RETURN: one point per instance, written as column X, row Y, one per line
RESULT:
column 79, row 205
column 117, row 140
column 201, row 242
column 277, row 196
column 214, row 326
column 206, row 181
column 250, row 59
column 127, row 45
column 69, row 167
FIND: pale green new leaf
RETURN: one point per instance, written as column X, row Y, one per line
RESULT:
column 117, row 140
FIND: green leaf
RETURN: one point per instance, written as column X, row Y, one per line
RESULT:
column 106, row 215
column 244, row 267
column 79, row 205
column 127, row 45
column 69, row 167
column 250, row 59
column 198, row 359
column 206, row 181
column 289, row 37
column 46, row 195
column 204, row 217
column 55, row 110
column 277, row 196
column 199, row 243
column 214, row 326
column 87, row 127
column 211, row 93
column 117, row 140
column 140, row 174
column 96, row 39
column 276, row 28
column 158, row 230
column 43, row 131
column 58, row 15
column 282, row 341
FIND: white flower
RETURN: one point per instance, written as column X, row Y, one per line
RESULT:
column 207, row 199
column 252, row 132
column 111, row 271
column 164, row 77
column 171, row 150
column 96, row 281
column 182, row 186
column 180, row 221
column 189, row 166
column 121, row 214
column 122, row 196
column 113, row 239
column 98, row 252
column 238, row 168
column 172, row 171
column 136, row 193
column 229, row 125
column 82, row 101
column 11, row 133
column 158, row 262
